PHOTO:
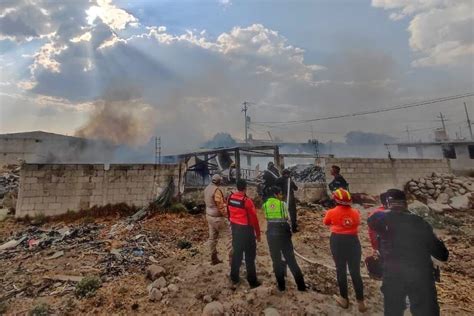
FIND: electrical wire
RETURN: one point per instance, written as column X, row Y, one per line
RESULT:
column 393, row 108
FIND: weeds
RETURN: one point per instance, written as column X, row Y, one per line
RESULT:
column 87, row 287
column 42, row 309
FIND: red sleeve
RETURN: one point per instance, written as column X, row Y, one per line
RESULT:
column 327, row 218
column 253, row 216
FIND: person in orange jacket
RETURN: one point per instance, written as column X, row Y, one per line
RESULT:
column 344, row 223
column 245, row 233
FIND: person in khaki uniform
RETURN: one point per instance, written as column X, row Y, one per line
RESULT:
column 216, row 215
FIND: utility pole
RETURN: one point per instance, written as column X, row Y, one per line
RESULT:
column 246, row 120
column 468, row 120
column 157, row 150
column 442, row 118
column 408, row 134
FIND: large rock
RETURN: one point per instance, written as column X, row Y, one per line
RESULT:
column 469, row 186
column 443, row 198
column 154, row 271
column 460, row 203
column 439, row 208
column 159, row 284
column 429, row 185
column 213, row 309
column 155, row 295
column 449, row 192
column 419, row 208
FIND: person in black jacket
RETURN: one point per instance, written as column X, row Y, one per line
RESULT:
column 407, row 243
column 288, row 187
column 338, row 182
column 270, row 177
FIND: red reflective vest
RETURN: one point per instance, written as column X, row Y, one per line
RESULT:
column 242, row 211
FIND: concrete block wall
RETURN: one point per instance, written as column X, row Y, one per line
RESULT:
column 53, row 189
column 373, row 176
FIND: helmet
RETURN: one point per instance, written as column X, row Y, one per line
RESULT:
column 342, row 197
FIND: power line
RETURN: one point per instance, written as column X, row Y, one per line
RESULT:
column 393, row 108
column 468, row 121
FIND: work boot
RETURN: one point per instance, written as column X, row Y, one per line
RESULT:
column 281, row 286
column 302, row 287
column 342, row 302
column 214, row 259
column 362, row 307
column 255, row 284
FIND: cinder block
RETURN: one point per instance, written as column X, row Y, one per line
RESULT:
column 31, row 180
column 54, row 206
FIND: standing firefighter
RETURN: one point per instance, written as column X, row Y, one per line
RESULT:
column 279, row 240
column 216, row 216
column 270, row 177
column 345, row 246
column 288, row 188
column 407, row 244
column 245, row 233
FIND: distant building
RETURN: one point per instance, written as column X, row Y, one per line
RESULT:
column 43, row 147
column 459, row 152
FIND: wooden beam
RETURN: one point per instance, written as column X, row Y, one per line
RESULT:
column 237, row 164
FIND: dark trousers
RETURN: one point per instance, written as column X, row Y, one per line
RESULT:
column 346, row 252
column 243, row 242
column 421, row 292
column 280, row 244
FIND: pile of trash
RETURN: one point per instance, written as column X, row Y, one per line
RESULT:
column 116, row 257
column 34, row 239
column 443, row 192
column 307, row 174
column 9, row 183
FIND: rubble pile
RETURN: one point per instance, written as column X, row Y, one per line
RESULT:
column 443, row 192
column 9, row 183
column 307, row 174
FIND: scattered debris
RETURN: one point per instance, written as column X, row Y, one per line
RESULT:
column 12, row 243
column 65, row 278
column 56, row 255
column 9, row 183
column 308, row 173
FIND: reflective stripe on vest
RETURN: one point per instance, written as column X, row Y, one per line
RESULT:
column 274, row 209
column 234, row 205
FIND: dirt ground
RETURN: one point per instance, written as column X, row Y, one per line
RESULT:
column 124, row 285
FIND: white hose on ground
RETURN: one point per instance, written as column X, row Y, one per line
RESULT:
column 322, row 264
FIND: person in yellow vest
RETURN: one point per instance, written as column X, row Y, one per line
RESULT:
column 279, row 240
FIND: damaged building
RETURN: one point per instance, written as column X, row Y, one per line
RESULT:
column 44, row 147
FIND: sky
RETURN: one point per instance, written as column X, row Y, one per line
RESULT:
column 126, row 71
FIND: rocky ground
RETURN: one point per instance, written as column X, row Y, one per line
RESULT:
column 38, row 274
